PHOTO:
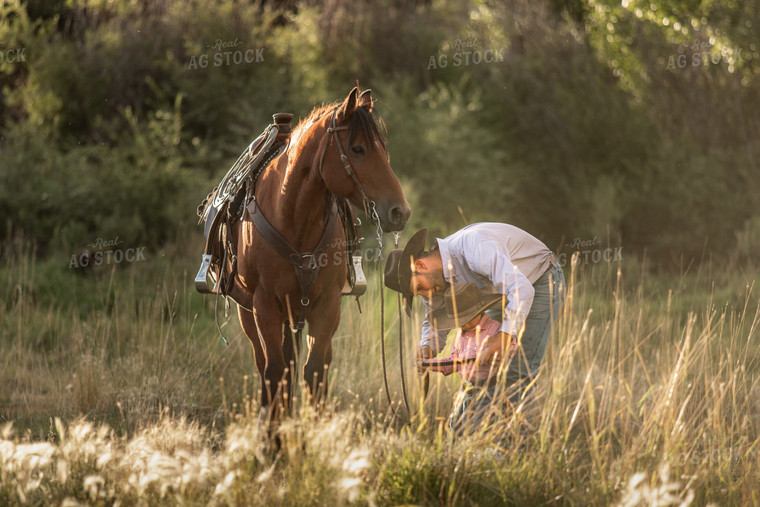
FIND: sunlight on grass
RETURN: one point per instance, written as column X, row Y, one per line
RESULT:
column 649, row 396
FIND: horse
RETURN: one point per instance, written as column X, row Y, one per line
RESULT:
column 336, row 153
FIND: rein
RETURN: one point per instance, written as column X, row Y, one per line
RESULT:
column 382, row 333
column 400, row 340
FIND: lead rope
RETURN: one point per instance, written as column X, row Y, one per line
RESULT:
column 382, row 310
column 400, row 331
column 401, row 341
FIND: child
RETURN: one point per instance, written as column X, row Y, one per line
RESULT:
column 472, row 403
column 475, row 327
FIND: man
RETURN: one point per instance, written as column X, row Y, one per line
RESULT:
column 499, row 259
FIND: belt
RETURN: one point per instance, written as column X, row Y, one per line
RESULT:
column 554, row 262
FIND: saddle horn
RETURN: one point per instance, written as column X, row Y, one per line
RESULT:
column 282, row 120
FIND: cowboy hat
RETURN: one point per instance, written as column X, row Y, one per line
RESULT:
column 469, row 302
column 398, row 267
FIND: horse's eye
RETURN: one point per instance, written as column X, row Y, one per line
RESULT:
column 358, row 149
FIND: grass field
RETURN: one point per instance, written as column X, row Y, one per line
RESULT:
column 116, row 388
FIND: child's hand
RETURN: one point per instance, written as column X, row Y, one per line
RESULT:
column 423, row 353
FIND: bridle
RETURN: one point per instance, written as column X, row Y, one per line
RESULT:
column 332, row 134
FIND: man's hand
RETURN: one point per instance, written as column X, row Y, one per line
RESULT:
column 423, row 353
column 496, row 347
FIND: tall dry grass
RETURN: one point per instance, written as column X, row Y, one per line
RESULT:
column 120, row 390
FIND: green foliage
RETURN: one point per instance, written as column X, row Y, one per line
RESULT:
column 671, row 223
column 438, row 133
column 137, row 191
column 122, row 116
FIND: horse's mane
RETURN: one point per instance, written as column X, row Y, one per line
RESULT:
column 360, row 119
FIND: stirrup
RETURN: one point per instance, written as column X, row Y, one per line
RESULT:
column 360, row 281
column 205, row 281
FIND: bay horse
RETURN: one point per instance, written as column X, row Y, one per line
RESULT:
column 336, row 152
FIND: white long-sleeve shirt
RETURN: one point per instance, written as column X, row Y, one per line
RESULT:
column 499, row 259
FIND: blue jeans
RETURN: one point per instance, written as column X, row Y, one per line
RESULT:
column 473, row 406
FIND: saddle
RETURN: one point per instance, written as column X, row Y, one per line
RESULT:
column 228, row 201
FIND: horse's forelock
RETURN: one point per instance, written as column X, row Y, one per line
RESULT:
column 363, row 119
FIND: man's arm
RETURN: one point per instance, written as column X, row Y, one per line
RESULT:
column 429, row 338
column 491, row 259
column 435, row 339
column 431, row 343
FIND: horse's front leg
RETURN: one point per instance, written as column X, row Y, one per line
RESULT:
column 290, row 347
column 274, row 382
column 249, row 328
column 323, row 322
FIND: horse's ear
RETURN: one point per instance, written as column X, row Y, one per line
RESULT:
column 365, row 100
column 349, row 105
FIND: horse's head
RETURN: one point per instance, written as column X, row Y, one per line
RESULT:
column 354, row 162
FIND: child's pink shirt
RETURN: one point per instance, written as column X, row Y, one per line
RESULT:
column 466, row 346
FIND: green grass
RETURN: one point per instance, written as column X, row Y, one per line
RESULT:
column 116, row 386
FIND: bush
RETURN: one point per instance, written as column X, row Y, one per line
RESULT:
column 139, row 191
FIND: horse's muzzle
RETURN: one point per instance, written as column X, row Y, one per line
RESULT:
column 393, row 217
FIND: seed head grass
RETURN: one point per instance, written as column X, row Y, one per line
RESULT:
column 649, row 395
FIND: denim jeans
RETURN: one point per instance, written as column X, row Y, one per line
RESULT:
column 473, row 407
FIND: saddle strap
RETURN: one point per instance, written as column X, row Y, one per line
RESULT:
column 305, row 264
